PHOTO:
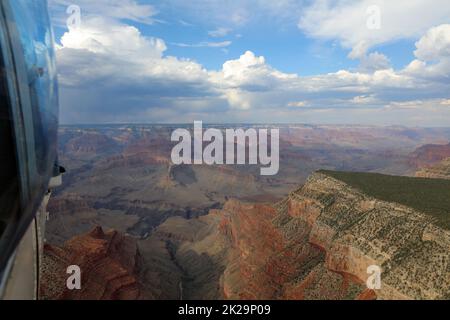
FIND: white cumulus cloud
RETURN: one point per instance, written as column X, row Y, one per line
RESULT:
column 111, row 72
column 118, row 9
column 347, row 21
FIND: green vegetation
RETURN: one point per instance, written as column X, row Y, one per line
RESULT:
column 431, row 196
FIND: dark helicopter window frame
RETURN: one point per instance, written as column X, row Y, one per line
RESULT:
column 9, row 184
column 31, row 102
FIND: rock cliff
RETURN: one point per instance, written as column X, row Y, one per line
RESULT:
column 110, row 266
column 438, row 171
column 429, row 154
column 318, row 244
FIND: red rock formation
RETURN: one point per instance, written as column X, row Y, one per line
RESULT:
column 429, row 155
column 90, row 142
column 320, row 241
column 110, row 265
column 268, row 262
column 141, row 151
column 142, row 158
column 438, row 171
column 308, row 209
column 69, row 204
column 367, row 294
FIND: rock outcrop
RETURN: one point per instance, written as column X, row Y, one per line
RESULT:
column 438, row 171
column 90, row 143
column 429, row 154
column 110, row 265
column 352, row 231
column 319, row 244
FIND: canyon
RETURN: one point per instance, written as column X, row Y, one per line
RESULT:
column 440, row 170
column 234, row 147
column 225, row 232
column 317, row 243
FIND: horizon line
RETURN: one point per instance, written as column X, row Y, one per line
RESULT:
column 253, row 123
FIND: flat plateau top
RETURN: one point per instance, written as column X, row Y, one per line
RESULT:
column 431, row 196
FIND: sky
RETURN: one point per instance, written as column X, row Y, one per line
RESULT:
column 367, row 62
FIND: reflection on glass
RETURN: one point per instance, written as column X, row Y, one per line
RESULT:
column 37, row 41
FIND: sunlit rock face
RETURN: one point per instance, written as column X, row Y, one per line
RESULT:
column 110, row 265
column 317, row 243
column 438, row 171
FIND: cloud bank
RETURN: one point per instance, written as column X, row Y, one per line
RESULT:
column 111, row 72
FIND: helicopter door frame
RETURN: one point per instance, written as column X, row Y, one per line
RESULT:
column 32, row 185
column 20, row 220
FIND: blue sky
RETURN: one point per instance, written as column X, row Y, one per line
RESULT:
column 282, row 43
column 326, row 61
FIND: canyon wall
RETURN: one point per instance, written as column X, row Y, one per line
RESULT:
column 319, row 242
column 315, row 244
column 110, row 265
column 438, row 171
